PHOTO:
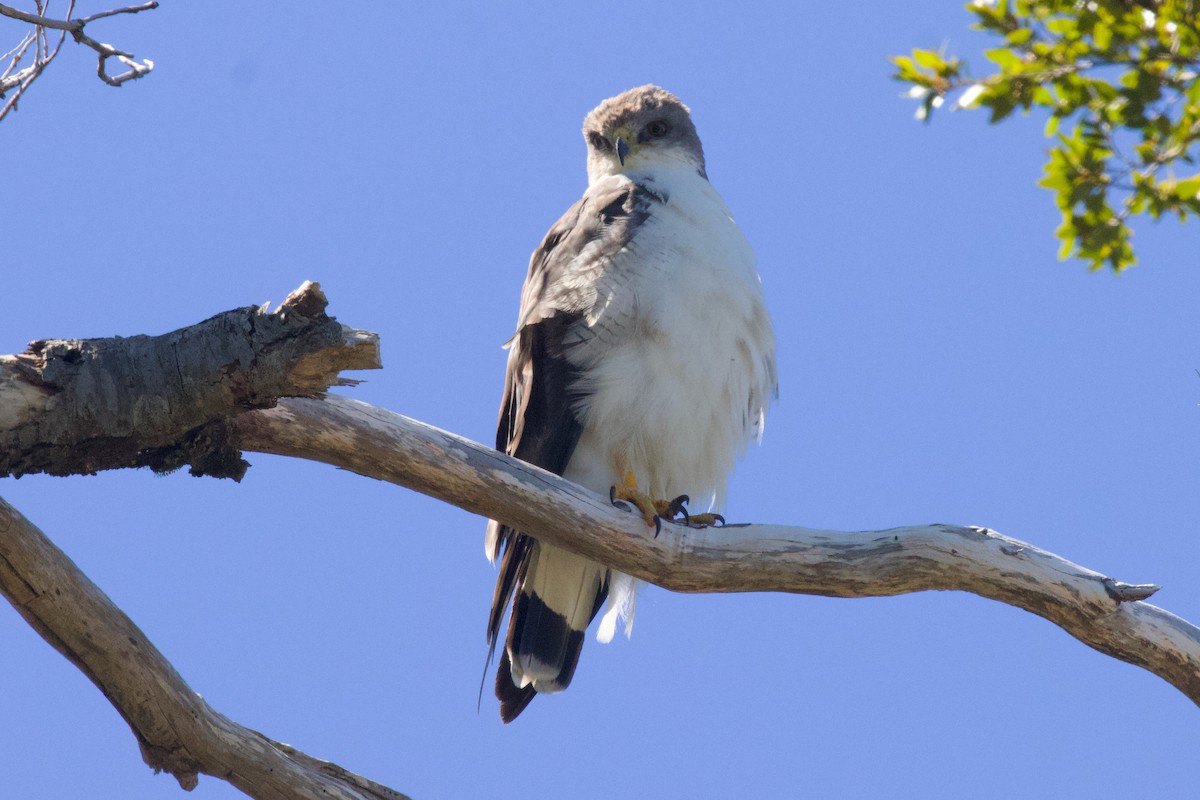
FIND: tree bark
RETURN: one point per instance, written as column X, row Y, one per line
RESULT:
column 75, row 407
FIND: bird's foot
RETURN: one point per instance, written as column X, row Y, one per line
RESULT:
column 655, row 511
column 632, row 496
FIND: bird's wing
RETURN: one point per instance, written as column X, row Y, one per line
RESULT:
column 537, row 422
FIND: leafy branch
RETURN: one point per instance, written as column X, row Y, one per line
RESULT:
column 1119, row 81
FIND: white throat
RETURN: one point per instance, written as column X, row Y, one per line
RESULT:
column 639, row 167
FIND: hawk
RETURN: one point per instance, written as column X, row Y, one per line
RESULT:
column 642, row 365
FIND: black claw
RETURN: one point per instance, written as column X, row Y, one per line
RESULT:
column 615, row 501
column 720, row 519
column 679, row 506
column 657, row 525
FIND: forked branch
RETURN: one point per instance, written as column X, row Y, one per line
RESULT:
column 18, row 81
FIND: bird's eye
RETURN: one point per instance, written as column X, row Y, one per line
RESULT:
column 599, row 142
column 658, row 129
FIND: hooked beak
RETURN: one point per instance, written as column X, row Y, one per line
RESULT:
column 622, row 148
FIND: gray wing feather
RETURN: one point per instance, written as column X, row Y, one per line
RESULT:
column 536, row 421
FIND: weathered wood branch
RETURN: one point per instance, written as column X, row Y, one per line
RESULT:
column 1099, row 611
column 177, row 731
column 183, row 398
column 80, row 406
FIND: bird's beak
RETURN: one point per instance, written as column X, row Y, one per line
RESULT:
column 622, row 148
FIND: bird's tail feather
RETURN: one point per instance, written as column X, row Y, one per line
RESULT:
column 513, row 698
column 558, row 598
column 622, row 600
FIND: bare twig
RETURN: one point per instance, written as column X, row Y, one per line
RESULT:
column 15, row 55
column 128, row 10
column 42, row 56
column 70, row 25
column 19, row 82
column 10, row 78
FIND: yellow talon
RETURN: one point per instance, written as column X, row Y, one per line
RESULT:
column 629, row 491
column 654, row 511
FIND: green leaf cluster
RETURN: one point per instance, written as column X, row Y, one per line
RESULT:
column 1118, row 79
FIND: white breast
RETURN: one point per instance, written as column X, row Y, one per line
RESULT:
column 682, row 366
column 681, row 363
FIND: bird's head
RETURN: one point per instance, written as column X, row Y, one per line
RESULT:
column 641, row 131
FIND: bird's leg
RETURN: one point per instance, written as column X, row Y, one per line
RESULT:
column 628, row 490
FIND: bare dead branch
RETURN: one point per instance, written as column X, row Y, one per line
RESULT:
column 177, row 731
column 42, row 56
column 128, row 10
column 1102, row 613
column 13, row 57
column 61, row 414
column 19, row 82
column 70, row 25
column 32, row 19
column 107, row 51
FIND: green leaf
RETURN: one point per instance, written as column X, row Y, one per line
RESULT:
column 1041, row 96
column 1188, row 188
column 929, row 59
column 906, row 69
column 1019, row 36
column 1063, row 27
column 1001, row 106
column 1006, row 59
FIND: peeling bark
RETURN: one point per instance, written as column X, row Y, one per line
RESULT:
column 70, row 407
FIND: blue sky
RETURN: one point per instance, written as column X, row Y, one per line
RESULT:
column 937, row 364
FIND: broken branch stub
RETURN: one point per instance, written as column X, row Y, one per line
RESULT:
column 70, row 407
